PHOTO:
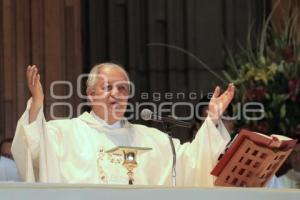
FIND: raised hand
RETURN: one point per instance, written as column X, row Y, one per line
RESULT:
column 219, row 103
column 36, row 90
column 34, row 85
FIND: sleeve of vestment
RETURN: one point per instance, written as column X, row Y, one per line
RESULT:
column 33, row 147
column 197, row 159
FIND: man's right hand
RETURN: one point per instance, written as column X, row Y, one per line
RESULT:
column 36, row 90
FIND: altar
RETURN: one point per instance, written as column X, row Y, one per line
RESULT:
column 37, row 191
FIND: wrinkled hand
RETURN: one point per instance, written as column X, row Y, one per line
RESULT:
column 35, row 86
column 219, row 103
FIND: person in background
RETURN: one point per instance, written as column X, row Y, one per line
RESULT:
column 8, row 169
column 291, row 179
column 5, row 148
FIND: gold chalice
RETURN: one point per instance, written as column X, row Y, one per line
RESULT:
column 130, row 158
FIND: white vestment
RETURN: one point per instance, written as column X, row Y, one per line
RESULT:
column 73, row 151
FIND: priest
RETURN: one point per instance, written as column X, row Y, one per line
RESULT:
column 74, row 150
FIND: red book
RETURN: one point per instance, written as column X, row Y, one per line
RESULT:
column 252, row 159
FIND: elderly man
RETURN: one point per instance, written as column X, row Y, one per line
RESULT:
column 74, row 150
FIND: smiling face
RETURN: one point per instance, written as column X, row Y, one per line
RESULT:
column 109, row 96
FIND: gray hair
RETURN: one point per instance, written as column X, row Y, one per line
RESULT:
column 93, row 75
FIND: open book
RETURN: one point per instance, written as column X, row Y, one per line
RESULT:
column 252, row 159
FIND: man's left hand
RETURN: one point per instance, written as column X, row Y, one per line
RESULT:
column 219, row 102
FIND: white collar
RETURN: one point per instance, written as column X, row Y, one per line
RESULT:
column 115, row 125
column 94, row 121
